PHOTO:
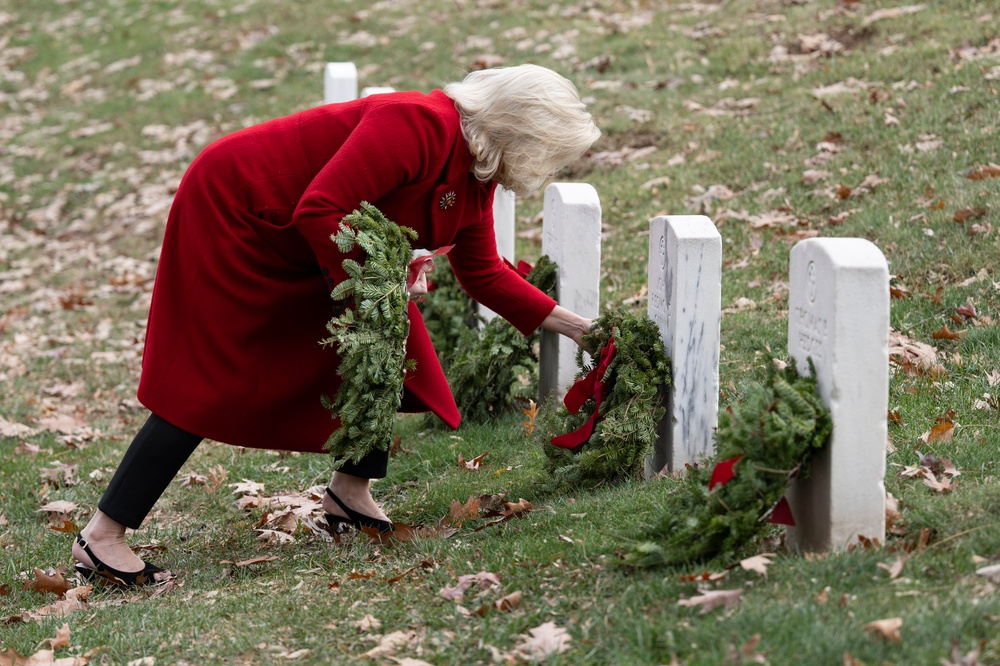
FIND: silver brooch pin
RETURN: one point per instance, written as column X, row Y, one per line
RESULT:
column 447, row 201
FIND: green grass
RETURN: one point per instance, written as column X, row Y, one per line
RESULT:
column 564, row 555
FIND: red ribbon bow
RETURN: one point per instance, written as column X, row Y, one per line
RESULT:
column 723, row 472
column 418, row 263
column 522, row 268
column 591, row 386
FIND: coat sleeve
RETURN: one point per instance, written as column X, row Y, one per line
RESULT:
column 487, row 279
column 392, row 144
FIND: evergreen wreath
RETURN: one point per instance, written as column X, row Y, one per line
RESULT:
column 486, row 368
column 632, row 404
column 369, row 333
column 768, row 439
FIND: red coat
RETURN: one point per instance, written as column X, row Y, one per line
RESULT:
column 241, row 297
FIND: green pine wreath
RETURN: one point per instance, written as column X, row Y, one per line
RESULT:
column 633, row 404
column 488, row 365
column 369, row 333
column 777, row 428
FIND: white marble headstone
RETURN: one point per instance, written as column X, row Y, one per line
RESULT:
column 503, row 227
column 340, row 82
column 571, row 236
column 838, row 315
column 376, row 90
column 685, row 301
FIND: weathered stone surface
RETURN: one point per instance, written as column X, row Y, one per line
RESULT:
column 838, row 315
column 571, row 236
column 503, row 225
column 376, row 90
column 684, row 300
column 340, row 82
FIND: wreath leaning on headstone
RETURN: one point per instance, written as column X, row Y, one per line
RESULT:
column 369, row 333
column 613, row 409
column 763, row 442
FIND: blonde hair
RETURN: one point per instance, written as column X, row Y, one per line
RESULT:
column 522, row 124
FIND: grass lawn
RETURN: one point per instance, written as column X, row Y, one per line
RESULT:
column 779, row 120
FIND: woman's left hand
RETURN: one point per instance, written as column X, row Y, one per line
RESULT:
column 419, row 286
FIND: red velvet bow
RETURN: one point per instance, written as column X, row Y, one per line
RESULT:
column 522, row 268
column 723, row 472
column 591, row 386
column 418, row 263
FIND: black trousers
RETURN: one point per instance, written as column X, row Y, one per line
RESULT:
column 156, row 455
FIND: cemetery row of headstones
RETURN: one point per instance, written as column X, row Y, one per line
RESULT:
column 838, row 316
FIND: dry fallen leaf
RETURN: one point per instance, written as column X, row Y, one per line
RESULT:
column 532, row 414
column 982, row 173
column 61, row 507
column 895, row 568
column 712, row 599
column 397, row 447
column 511, row 510
column 893, row 516
column 482, row 579
column 460, row 512
column 247, row 486
column 915, row 358
column 887, row 629
column 368, row 624
column 970, row 658
column 389, row 644
column 40, row 658
column 942, row 485
column 890, row 13
column 74, row 600
column 747, row 653
column 968, row 214
column 10, row 429
column 944, row 333
column 52, row 581
column 61, row 638
column 506, row 603
column 758, row 563
column 472, row 465
column 992, row 572
column 194, row 479
column 967, row 311
column 941, row 432
column 546, row 639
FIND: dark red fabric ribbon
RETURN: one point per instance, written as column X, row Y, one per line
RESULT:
column 723, row 472
column 522, row 268
column 417, row 264
column 591, row 386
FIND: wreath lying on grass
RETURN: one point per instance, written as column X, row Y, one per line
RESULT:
column 369, row 333
column 487, row 366
column 613, row 409
column 764, row 442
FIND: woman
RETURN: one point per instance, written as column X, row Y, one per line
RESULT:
column 241, row 297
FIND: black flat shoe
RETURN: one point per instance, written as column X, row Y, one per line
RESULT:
column 101, row 571
column 356, row 519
